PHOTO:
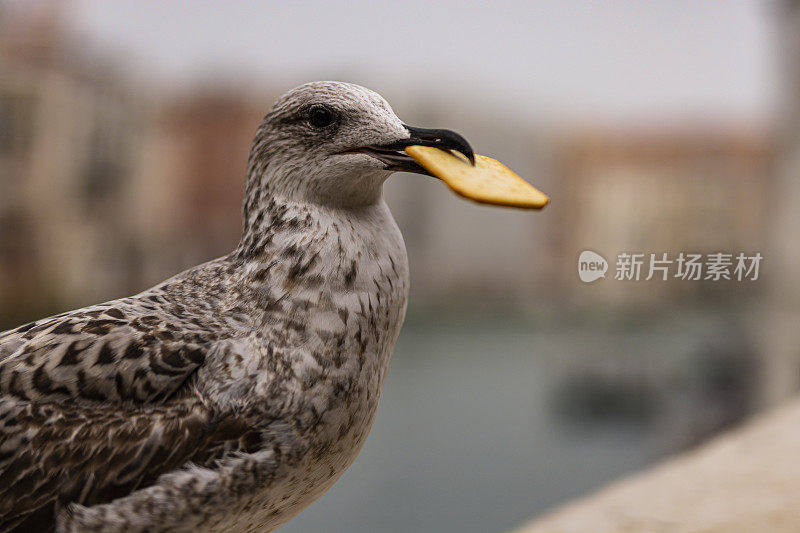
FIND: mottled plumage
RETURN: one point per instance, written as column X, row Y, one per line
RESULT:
column 232, row 395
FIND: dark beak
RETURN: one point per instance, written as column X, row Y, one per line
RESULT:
column 444, row 139
column 396, row 159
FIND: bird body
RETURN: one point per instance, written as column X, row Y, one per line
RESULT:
column 232, row 395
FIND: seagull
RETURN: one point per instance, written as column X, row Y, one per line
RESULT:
column 232, row 395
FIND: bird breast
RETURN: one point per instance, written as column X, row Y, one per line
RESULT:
column 330, row 296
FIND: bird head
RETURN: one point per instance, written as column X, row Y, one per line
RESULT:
column 335, row 144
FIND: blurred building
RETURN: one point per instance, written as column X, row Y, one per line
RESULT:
column 67, row 132
column 661, row 189
column 106, row 193
column 190, row 178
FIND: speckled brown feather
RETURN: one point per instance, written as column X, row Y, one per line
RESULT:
column 68, row 453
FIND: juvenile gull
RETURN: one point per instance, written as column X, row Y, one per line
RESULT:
column 231, row 396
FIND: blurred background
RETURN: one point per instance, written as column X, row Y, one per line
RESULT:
column 654, row 127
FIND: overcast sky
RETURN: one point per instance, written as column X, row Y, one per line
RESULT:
column 634, row 58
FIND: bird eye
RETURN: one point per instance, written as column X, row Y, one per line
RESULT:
column 320, row 116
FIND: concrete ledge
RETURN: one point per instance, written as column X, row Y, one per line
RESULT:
column 747, row 480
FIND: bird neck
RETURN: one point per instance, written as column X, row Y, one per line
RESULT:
column 273, row 224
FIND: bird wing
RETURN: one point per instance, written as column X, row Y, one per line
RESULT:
column 52, row 454
column 123, row 350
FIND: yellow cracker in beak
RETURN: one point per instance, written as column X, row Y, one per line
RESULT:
column 488, row 181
